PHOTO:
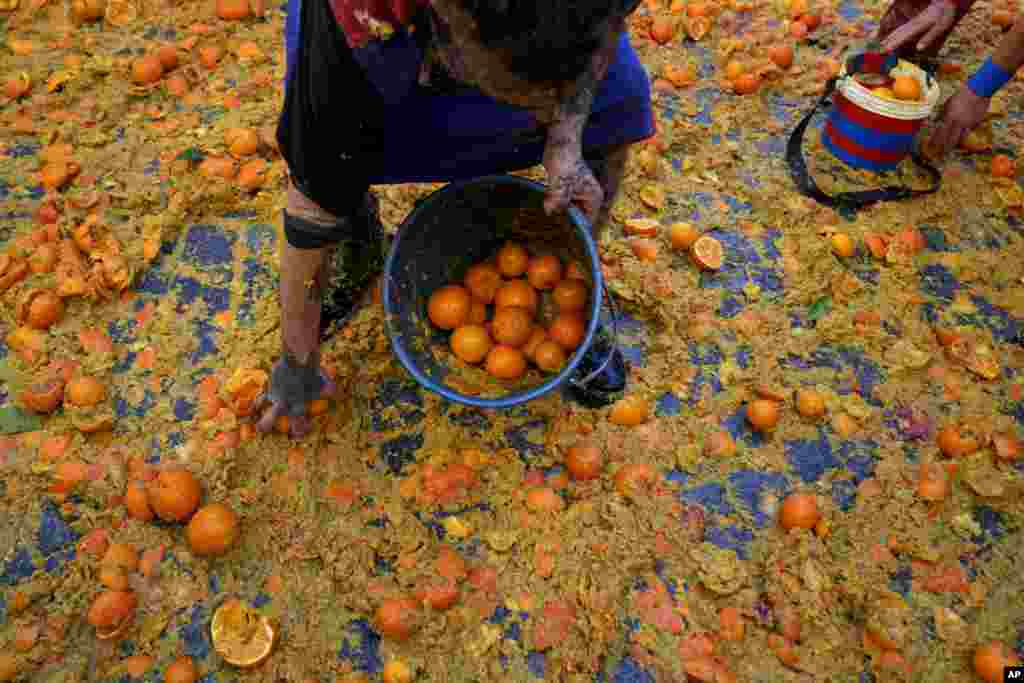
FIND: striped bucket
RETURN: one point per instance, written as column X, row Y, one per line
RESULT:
column 875, row 133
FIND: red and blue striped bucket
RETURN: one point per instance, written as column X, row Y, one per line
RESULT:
column 870, row 132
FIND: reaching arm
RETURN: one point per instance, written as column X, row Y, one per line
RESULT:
column 964, row 111
column 1009, row 54
column 576, row 98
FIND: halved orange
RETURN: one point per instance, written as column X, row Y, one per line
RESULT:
column 707, row 253
column 240, row 635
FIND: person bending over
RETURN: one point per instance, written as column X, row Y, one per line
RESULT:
column 398, row 91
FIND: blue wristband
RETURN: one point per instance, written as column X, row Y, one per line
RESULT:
column 987, row 80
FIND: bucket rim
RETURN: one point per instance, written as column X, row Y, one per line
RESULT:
column 582, row 227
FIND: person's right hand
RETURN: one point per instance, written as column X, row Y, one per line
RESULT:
column 292, row 387
column 962, row 113
column 933, row 21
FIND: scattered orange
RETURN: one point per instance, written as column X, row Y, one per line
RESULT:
column 644, row 249
column 506, row 362
column 932, row 482
column 232, row 10
column 884, row 92
column 397, row 618
column 147, row 70
column 512, row 259
column 584, row 462
column 397, row 671
column 213, row 530
column 168, row 56
column 810, row 403
column 544, row 272
column 43, row 397
column 210, row 55
column 781, row 56
column 746, row 84
column 242, row 142
column 633, row 478
column 252, row 175
column 811, row 21
column 663, row 29
column 906, row 88
column 111, row 608
column 799, row 511
column 449, row 306
column 763, row 414
column 136, row 501
column 629, row 412
column 842, row 245
column 734, row 69
column 42, row 309
column 17, row 86
column 682, row 235
column 876, row 244
column 991, row 659
column 471, row 343
column 85, row 391
column 174, row 494
column 121, row 555
column 544, row 499
column 1003, row 166
column 707, row 252
column 181, row 670
column 798, row 30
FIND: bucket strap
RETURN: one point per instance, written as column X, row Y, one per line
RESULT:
column 847, row 200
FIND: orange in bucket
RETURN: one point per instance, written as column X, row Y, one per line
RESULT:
column 906, row 88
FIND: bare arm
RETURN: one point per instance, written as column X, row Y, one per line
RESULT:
column 965, row 111
column 1009, row 53
column 577, row 98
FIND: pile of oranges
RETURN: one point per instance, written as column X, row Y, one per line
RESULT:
column 512, row 310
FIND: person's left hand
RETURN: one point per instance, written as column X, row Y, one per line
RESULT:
column 931, row 23
column 961, row 114
column 571, row 181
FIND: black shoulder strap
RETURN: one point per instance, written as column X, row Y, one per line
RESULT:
column 846, row 200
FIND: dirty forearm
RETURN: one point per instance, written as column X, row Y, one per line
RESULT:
column 577, row 98
column 302, row 273
column 1010, row 52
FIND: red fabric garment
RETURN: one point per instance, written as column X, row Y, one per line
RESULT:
column 365, row 20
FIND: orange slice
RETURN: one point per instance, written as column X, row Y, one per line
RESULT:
column 707, row 253
column 241, row 635
column 115, row 632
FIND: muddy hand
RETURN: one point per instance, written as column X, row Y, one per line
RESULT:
column 930, row 24
column 292, row 387
column 962, row 113
column 571, row 181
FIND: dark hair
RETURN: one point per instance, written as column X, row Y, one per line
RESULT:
column 545, row 41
